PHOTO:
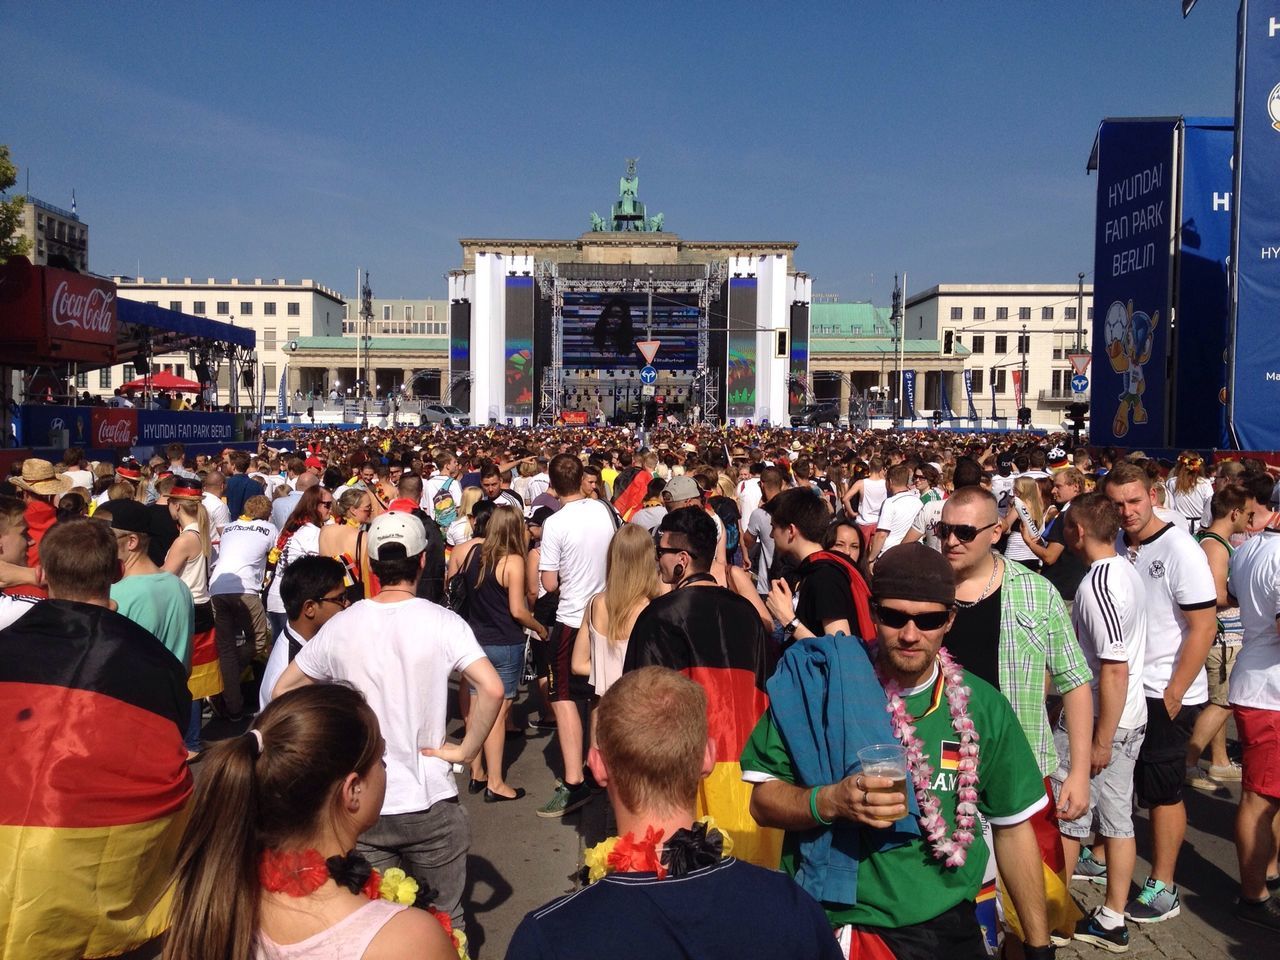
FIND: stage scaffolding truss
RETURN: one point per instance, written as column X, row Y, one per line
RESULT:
column 704, row 281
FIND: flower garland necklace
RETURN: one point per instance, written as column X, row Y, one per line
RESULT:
column 300, row 873
column 953, row 849
column 701, row 845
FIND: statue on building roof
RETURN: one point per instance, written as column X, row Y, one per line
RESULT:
column 628, row 211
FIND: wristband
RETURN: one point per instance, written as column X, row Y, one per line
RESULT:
column 1047, row 952
column 813, row 808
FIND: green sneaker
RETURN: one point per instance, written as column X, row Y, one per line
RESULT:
column 1154, row 903
column 566, row 799
column 1089, row 869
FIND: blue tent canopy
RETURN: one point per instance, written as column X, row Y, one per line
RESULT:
column 170, row 326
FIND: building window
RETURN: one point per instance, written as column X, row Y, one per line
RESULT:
column 1002, row 343
column 175, row 305
column 294, row 309
column 129, row 372
column 979, row 313
column 1068, row 313
column 997, row 378
column 269, row 378
column 293, row 333
column 82, row 381
column 408, row 311
column 104, row 378
column 268, row 338
column 198, row 308
column 153, row 303
column 1024, row 313
column 180, row 370
column 1058, row 386
column 948, row 341
column 1002, row 313
column 957, row 313
column 1046, row 313
column 1090, row 314
column 246, row 308
column 386, row 311
column 269, row 309
column 975, row 377
column 224, row 308
column 1024, row 343
column 979, row 344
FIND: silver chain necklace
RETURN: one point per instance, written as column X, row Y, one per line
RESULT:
column 995, row 568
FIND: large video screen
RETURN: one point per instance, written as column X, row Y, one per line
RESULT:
column 601, row 329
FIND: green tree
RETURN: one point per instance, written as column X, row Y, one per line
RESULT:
column 10, row 210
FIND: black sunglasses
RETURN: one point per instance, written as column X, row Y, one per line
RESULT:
column 964, row 532
column 897, row 619
column 341, row 600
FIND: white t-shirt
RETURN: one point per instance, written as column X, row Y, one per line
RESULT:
column 400, row 656
column 1255, row 581
column 219, row 517
column 760, row 526
column 575, row 544
column 276, row 665
column 929, row 514
column 896, row 516
column 1002, row 490
column 79, row 478
column 305, row 542
column 874, row 491
column 1177, row 577
column 749, row 497
column 434, row 486
column 1191, row 505
column 1110, row 619
column 243, row 558
column 13, row 607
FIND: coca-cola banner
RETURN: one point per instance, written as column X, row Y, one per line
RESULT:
column 79, row 307
column 114, row 427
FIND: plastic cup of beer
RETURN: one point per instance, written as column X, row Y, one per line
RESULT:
column 887, row 761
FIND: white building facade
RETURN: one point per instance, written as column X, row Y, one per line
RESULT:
column 1028, row 328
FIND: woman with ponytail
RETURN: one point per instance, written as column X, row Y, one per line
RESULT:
column 1188, row 489
column 188, row 560
column 266, row 868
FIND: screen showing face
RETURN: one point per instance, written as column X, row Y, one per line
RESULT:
column 601, row 329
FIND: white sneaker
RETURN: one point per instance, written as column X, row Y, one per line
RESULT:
column 1231, row 771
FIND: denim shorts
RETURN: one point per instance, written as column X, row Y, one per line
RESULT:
column 508, row 660
column 1110, row 792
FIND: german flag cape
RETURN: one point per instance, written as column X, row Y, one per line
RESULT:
column 205, row 679
column 93, row 781
column 714, row 637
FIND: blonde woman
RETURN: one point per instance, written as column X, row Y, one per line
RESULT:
column 463, row 529
column 1024, row 522
column 344, row 539
column 498, row 613
column 631, row 581
column 1188, row 489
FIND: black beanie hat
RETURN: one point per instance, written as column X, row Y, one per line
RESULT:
column 912, row 571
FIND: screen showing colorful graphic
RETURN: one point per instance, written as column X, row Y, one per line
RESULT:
column 518, row 348
column 799, row 356
column 460, row 353
column 740, row 385
column 601, row 329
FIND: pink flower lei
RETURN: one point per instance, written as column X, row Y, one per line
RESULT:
column 953, row 849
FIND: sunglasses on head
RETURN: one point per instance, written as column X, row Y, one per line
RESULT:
column 964, row 532
column 897, row 619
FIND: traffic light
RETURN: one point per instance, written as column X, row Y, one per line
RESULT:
column 1024, row 416
column 1075, row 416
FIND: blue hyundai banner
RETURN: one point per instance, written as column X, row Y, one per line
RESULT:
column 1133, row 258
column 909, row 391
column 282, row 397
column 968, row 394
column 1254, row 391
column 944, row 402
column 160, row 427
column 1203, row 295
column 42, row 425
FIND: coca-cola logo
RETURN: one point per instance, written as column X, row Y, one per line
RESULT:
column 114, row 433
column 91, row 311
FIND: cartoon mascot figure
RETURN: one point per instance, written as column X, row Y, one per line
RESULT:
column 1130, row 338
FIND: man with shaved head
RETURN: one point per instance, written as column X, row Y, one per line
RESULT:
column 1011, row 628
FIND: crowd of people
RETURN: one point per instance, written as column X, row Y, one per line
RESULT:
column 865, row 694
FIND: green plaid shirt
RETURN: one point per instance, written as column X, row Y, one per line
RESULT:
column 1036, row 638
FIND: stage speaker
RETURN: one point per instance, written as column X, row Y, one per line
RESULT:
column 781, row 344
column 142, row 366
column 246, row 378
column 204, row 373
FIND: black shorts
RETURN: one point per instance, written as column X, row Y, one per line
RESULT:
column 557, row 653
column 1162, row 761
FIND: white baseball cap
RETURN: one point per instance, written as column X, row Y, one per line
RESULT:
column 396, row 529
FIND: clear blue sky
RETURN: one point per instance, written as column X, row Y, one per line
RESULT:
column 304, row 139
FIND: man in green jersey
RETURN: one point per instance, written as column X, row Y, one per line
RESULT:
column 910, row 903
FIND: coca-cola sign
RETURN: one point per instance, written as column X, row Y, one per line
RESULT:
column 113, row 427
column 80, row 307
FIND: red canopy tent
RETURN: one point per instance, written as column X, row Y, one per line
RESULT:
column 162, row 380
